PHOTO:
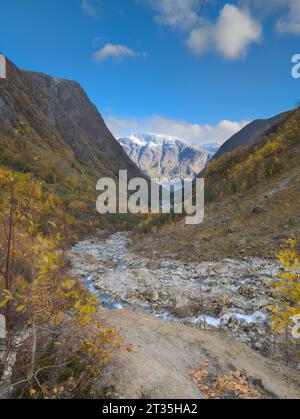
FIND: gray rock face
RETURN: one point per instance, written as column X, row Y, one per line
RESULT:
column 162, row 156
column 63, row 123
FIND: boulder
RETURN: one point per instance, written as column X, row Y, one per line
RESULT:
column 184, row 308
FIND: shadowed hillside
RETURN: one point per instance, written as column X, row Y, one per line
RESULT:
column 252, row 134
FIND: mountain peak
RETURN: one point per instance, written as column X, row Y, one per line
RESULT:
column 160, row 155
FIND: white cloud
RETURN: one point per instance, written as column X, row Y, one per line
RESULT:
column 233, row 32
column 114, row 51
column 200, row 40
column 181, row 14
column 291, row 22
column 194, row 133
column 90, row 7
column 231, row 35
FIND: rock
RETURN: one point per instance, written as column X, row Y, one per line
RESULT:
column 248, row 291
column 184, row 308
column 257, row 210
column 225, row 311
column 227, row 286
column 153, row 265
column 221, row 269
column 202, row 270
column 153, row 295
column 258, row 346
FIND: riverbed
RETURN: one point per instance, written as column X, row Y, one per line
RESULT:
column 232, row 295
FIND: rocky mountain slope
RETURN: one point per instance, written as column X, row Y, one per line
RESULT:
column 167, row 157
column 63, row 123
column 49, row 127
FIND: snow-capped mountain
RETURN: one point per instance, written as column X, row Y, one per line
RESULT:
column 159, row 155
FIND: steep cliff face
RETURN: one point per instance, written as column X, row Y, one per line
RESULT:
column 63, row 124
column 162, row 156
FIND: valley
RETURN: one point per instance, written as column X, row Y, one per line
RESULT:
column 181, row 315
column 142, row 305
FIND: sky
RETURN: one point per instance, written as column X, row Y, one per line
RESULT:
column 195, row 69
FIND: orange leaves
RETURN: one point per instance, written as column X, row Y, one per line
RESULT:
column 234, row 386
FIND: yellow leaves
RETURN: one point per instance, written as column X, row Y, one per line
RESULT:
column 68, row 284
column 32, row 392
column 86, row 309
column 7, row 298
column 291, row 242
column 52, row 224
column 58, row 318
column 287, row 290
column 41, row 293
column 56, row 390
column 21, row 309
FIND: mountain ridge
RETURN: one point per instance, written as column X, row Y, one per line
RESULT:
column 252, row 133
column 159, row 155
column 61, row 118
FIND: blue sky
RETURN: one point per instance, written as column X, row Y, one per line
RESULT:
column 189, row 68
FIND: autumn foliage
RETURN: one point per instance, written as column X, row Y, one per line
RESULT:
column 245, row 167
column 55, row 343
column 224, row 386
column 286, row 313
